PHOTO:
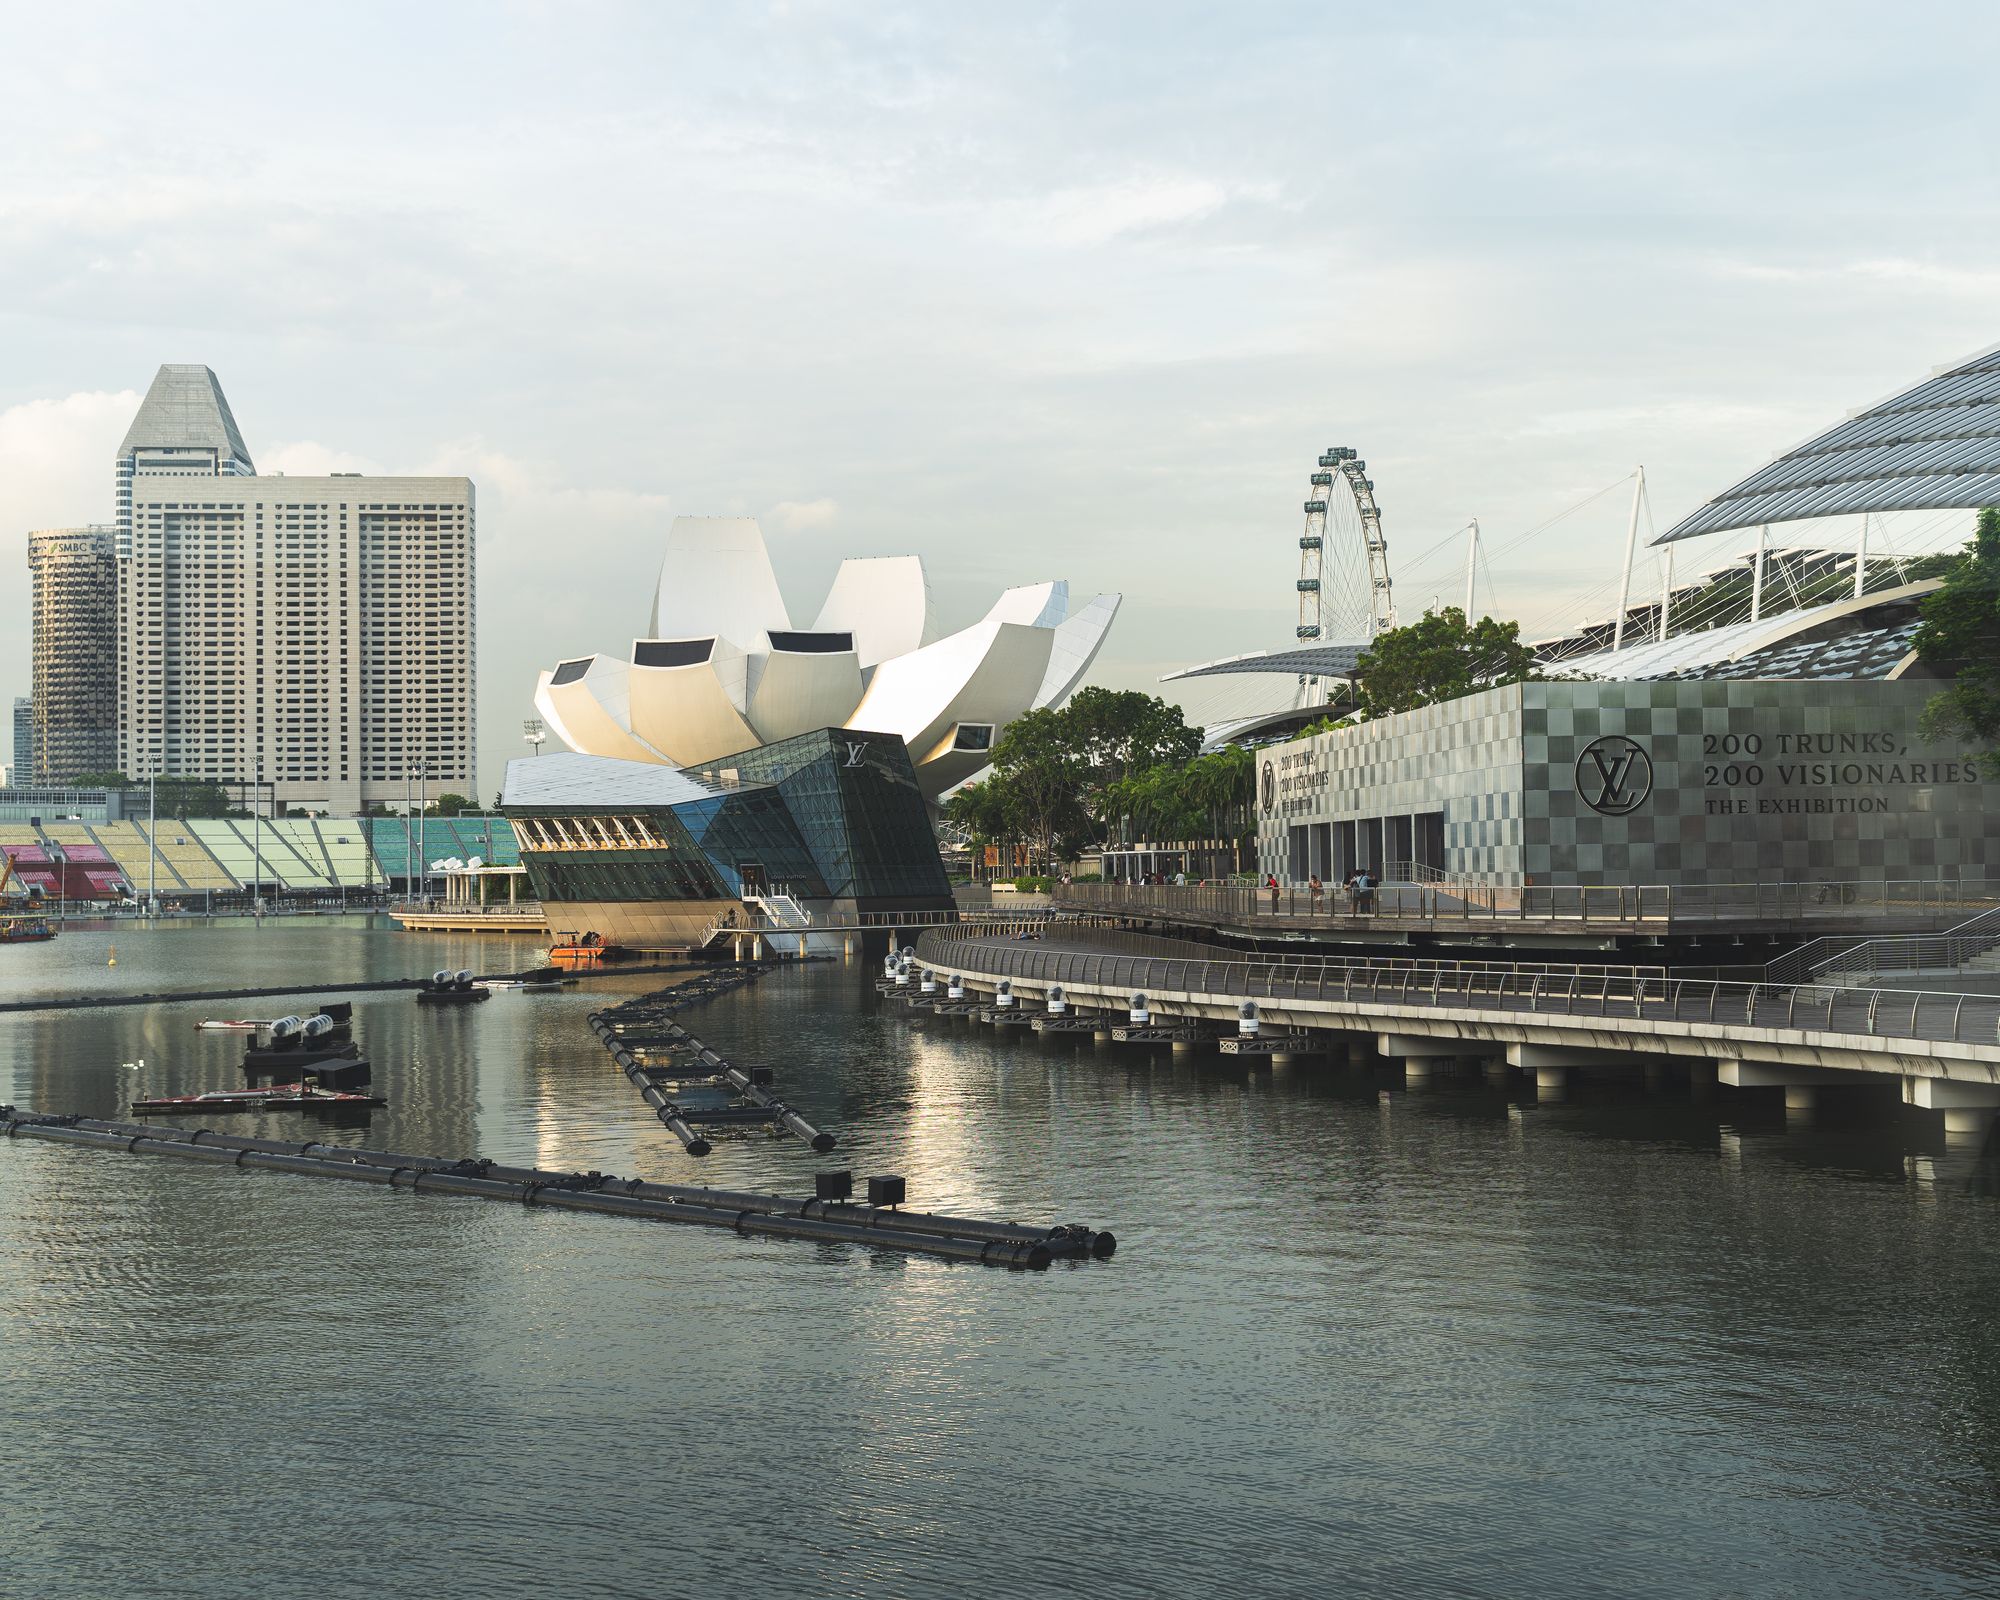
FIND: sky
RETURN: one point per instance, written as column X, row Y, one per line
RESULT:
column 1032, row 291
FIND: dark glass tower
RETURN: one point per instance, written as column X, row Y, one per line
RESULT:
column 659, row 858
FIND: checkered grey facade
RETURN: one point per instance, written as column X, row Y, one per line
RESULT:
column 1751, row 781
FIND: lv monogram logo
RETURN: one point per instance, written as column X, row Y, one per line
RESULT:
column 855, row 751
column 1613, row 775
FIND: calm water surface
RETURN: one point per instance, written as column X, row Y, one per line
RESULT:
column 1454, row 1343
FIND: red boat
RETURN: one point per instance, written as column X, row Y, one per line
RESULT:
column 278, row 1097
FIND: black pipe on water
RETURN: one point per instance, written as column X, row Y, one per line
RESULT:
column 770, row 1216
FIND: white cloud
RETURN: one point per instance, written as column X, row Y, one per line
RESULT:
column 802, row 516
column 55, row 472
column 1095, row 214
column 1899, row 272
column 56, row 455
column 306, row 458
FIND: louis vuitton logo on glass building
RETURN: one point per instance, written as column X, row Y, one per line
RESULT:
column 1614, row 775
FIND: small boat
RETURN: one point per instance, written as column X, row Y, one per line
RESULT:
column 451, row 988
column 525, row 985
column 278, row 1097
column 583, row 952
column 235, row 1025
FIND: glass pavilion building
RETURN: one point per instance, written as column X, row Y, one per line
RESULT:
column 656, row 857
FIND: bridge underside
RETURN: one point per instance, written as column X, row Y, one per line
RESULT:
column 1937, row 1052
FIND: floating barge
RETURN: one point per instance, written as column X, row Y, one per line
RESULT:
column 646, row 1025
column 277, row 1097
column 831, row 1220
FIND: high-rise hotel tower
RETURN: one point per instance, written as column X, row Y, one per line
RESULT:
column 308, row 638
column 73, row 724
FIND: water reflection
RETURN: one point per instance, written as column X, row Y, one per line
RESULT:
column 1652, row 1338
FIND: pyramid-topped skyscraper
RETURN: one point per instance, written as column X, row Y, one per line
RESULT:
column 183, row 429
column 302, row 641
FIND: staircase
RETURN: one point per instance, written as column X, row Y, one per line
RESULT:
column 1971, row 947
column 780, row 909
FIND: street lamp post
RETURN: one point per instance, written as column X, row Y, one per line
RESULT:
column 534, row 732
column 153, row 840
column 409, row 839
column 423, row 826
column 257, row 839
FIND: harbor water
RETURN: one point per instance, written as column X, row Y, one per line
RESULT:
column 1449, row 1341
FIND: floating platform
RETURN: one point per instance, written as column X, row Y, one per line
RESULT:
column 1161, row 1033
column 278, row 1097
column 1271, row 1044
column 1071, row 1022
column 832, row 1220
column 649, row 1019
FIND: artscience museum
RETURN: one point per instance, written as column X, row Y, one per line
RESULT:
column 736, row 765
column 723, row 668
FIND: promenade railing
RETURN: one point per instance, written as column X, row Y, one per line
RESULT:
column 1458, row 901
column 1859, row 956
column 501, row 911
column 1511, row 988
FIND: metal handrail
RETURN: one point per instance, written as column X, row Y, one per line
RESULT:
column 518, row 908
column 1312, row 966
column 1640, row 993
column 1460, row 901
column 1859, row 955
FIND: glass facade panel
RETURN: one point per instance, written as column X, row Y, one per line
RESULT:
column 855, row 800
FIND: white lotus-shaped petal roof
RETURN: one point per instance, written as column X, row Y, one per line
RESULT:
column 723, row 669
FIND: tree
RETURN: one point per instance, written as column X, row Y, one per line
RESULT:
column 1037, row 762
column 174, row 797
column 449, row 805
column 1120, row 732
column 981, row 810
column 1960, row 635
column 1441, row 657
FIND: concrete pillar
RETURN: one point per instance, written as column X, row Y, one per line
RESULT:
column 1409, row 1046
column 1551, row 1083
column 1497, row 1073
column 1775, row 1075
column 1969, row 1108
column 1528, row 1057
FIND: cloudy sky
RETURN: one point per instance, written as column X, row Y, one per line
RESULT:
column 1031, row 290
